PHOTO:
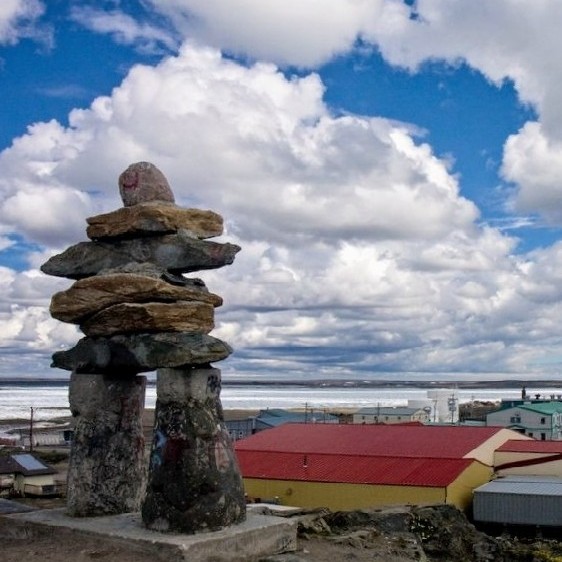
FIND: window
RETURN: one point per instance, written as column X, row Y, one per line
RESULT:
column 543, row 421
column 515, row 419
column 530, row 434
column 543, row 436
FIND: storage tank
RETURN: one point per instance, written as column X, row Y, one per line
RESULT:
column 445, row 405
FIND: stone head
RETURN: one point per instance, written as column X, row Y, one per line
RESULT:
column 143, row 182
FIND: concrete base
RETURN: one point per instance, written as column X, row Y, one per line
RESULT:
column 260, row 535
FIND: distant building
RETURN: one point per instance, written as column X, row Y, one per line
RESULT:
column 534, row 458
column 240, row 429
column 267, row 419
column 275, row 417
column 24, row 474
column 538, row 419
column 391, row 414
column 356, row 466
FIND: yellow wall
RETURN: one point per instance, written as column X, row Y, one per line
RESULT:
column 340, row 496
column 357, row 496
column 459, row 493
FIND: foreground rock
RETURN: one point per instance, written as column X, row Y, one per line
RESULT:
column 403, row 534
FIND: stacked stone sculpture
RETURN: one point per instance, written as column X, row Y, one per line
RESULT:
column 140, row 313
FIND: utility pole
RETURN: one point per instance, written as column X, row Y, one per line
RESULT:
column 31, row 431
column 452, row 403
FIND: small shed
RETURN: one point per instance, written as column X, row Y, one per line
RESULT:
column 520, row 500
column 27, row 475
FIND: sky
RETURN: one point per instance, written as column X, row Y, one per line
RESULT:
column 391, row 169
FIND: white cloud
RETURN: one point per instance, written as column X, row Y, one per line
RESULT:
column 18, row 20
column 124, row 29
column 297, row 32
column 27, row 332
column 534, row 162
column 358, row 250
column 504, row 41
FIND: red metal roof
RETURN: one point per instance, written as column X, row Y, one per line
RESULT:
column 452, row 442
column 382, row 470
column 531, row 446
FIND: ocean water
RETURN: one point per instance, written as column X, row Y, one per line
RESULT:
column 50, row 400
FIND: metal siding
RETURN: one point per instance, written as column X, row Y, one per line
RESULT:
column 518, row 509
column 520, row 500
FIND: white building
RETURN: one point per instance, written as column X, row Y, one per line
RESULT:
column 540, row 420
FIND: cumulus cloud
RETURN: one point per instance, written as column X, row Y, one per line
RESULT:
column 18, row 19
column 503, row 42
column 29, row 335
column 359, row 253
column 496, row 37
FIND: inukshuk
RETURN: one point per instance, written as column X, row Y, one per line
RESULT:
column 139, row 313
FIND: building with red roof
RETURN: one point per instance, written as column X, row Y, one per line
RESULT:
column 358, row 466
column 529, row 458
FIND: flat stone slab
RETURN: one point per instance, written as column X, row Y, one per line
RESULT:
column 139, row 353
column 151, row 218
column 258, row 536
column 91, row 295
column 180, row 316
column 8, row 506
column 278, row 510
column 177, row 253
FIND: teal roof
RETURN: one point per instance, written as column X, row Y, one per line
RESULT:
column 547, row 408
column 277, row 416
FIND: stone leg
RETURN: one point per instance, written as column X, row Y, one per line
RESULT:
column 194, row 483
column 107, row 468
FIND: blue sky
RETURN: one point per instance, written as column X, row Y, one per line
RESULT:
column 391, row 170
